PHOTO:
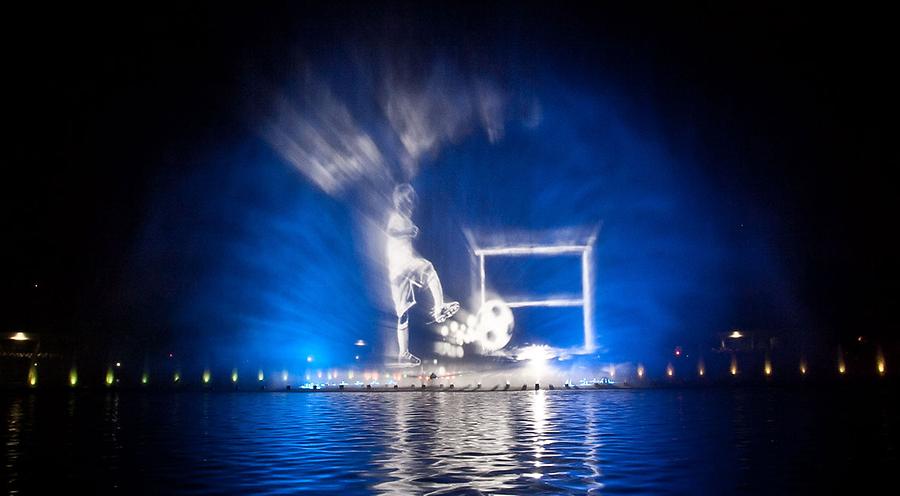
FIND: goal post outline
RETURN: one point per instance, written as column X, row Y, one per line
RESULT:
column 586, row 301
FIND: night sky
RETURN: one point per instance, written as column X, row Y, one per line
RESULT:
column 117, row 213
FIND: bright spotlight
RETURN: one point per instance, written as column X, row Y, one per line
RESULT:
column 537, row 357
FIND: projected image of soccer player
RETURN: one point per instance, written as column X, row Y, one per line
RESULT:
column 407, row 271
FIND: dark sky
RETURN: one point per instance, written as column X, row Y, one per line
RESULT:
column 798, row 103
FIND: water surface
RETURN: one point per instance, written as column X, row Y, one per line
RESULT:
column 659, row 441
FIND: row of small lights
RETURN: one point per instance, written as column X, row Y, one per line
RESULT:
column 206, row 376
column 880, row 367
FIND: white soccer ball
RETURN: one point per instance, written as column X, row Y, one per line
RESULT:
column 494, row 325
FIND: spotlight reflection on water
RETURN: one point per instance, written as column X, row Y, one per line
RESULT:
column 32, row 375
column 539, row 411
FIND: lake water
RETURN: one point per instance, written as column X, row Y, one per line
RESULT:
column 653, row 441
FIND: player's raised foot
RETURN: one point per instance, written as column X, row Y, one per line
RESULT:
column 446, row 311
column 408, row 360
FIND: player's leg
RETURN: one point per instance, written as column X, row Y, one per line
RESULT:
column 403, row 333
column 434, row 285
column 404, row 356
column 442, row 310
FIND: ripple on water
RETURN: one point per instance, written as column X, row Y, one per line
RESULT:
column 562, row 442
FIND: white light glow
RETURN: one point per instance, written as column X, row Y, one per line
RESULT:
column 531, row 250
column 559, row 302
column 537, row 357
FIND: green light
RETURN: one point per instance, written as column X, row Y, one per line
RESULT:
column 206, row 376
column 110, row 376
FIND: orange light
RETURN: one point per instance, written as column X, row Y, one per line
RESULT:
column 842, row 367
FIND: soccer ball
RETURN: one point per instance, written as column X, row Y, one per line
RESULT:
column 494, row 326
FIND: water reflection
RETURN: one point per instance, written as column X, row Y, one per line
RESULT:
column 592, row 442
column 12, row 448
column 544, row 442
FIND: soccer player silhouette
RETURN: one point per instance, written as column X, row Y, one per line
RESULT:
column 407, row 271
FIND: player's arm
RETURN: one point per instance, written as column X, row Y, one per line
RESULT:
column 400, row 229
column 409, row 232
